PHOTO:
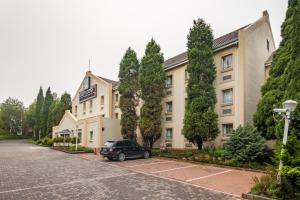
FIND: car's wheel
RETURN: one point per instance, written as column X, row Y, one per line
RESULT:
column 146, row 154
column 121, row 157
column 110, row 158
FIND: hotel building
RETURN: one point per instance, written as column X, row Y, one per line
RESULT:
column 241, row 61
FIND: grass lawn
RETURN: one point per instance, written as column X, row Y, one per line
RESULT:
column 11, row 136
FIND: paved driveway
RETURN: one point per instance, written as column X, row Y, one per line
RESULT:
column 31, row 172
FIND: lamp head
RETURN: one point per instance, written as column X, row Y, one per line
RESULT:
column 290, row 105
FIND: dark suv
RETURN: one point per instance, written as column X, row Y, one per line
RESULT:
column 122, row 149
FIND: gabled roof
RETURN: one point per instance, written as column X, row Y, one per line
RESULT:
column 114, row 83
column 217, row 43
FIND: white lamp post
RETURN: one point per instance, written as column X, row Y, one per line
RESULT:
column 288, row 107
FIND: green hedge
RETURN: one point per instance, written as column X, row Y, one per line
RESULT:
column 207, row 155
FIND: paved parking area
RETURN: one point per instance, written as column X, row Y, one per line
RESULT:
column 226, row 180
column 30, row 172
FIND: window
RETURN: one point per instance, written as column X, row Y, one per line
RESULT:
column 227, row 77
column 169, row 133
column 227, row 62
column 169, row 92
column 84, row 108
column 187, row 75
column 102, row 100
column 91, row 106
column 169, row 107
column 226, row 111
column 168, row 119
column 227, row 129
column 227, row 96
column 91, row 136
column 169, row 81
column 103, row 115
column 117, row 115
column 117, row 97
column 75, row 109
column 268, row 45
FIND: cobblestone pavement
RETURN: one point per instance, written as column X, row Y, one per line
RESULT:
column 29, row 172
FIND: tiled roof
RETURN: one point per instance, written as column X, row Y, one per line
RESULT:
column 114, row 83
column 217, row 43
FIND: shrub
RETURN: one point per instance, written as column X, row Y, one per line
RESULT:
column 265, row 186
column 81, row 148
column 39, row 141
column 245, row 144
column 58, row 139
column 50, row 142
column 67, row 140
column 73, row 140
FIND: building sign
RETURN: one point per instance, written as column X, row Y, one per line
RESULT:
column 88, row 94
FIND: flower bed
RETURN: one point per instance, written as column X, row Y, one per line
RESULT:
column 72, row 149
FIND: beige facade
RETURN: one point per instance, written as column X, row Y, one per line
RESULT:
column 92, row 116
column 240, row 60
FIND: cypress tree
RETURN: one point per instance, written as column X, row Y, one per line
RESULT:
column 45, row 111
column 284, row 84
column 200, row 120
column 128, row 88
column 152, row 82
column 38, row 108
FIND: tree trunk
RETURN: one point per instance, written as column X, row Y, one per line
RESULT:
column 200, row 144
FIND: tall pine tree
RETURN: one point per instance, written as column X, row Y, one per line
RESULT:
column 152, row 82
column 200, row 120
column 284, row 84
column 45, row 111
column 38, row 108
column 128, row 89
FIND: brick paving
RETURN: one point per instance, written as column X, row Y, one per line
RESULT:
column 30, row 172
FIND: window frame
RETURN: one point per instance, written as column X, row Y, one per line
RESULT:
column 230, row 66
column 169, row 137
column 169, row 83
column 223, row 99
column 168, row 106
column 226, row 132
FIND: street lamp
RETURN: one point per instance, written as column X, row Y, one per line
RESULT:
column 288, row 107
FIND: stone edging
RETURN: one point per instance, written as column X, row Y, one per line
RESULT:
column 254, row 197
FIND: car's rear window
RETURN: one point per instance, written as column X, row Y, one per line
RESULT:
column 109, row 143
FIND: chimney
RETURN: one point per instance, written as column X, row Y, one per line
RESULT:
column 265, row 13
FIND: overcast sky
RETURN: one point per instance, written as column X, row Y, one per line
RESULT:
column 49, row 42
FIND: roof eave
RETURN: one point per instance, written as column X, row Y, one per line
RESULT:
column 229, row 44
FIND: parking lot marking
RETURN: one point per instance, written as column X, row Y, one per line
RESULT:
column 177, row 168
column 202, row 177
column 150, row 163
column 66, row 183
column 176, row 180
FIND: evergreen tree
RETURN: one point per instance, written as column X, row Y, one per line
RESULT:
column 200, row 120
column 38, row 108
column 45, row 111
column 57, row 110
column 284, row 84
column 30, row 116
column 128, row 88
column 51, row 116
column 152, row 82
